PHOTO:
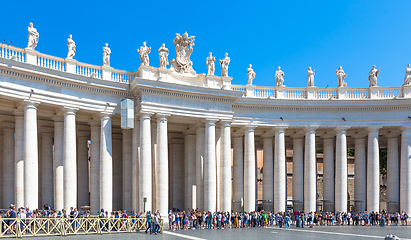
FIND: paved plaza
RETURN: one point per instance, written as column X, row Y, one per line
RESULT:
column 335, row 233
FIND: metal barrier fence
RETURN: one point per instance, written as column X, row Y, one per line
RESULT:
column 19, row 227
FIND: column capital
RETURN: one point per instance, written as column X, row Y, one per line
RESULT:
column 279, row 129
column 225, row 123
column 310, row 129
column 249, row 127
column 145, row 115
column 106, row 115
column 373, row 129
column 66, row 110
column 83, row 133
column 7, row 125
column 210, row 121
column 342, row 129
column 406, row 128
column 163, row 117
column 57, row 118
column 394, row 134
column 94, row 123
column 18, row 112
column 28, row 103
column 46, row 129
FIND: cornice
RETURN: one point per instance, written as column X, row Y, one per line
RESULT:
column 186, row 95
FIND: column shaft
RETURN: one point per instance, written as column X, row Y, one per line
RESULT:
column 210, row 185
column 310, row 178
column 298, row 174
column 225, row 167
column 136, row 165
column 18, row 158
column 58, row 164
column 280, row 177
column 189, row 167
column 127, row 169
column 328, row 173
column 249, row 170
column 360, row 171
column 373, row 171
column 83, row 197
column 393, row 174
column 405, row 183
column 8, row 163
column 106, row 164
column 95, row 167
column 47, row 167
column 145, row 161
column 341, row 171
column 162, row 167
column 70, row 159
column 268, row 168
column 200, row 139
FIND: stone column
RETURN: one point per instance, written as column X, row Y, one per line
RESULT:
column 136, row 164
column 328, row 173
column 58, row 163
column 280, row 177
column 268, row 166
column 162, row 166
column 127, row 169
column 405, row 183
column 47, row 166
column 117, row 169
column 19, row 158
column 226, row 166
column 238, row 171
column 83, row 197
column 298, row 173
column 249, row 170
column 106, row 163
column 145, row 160
column 8, row 163
column 341, row 171
column 210, row 185
column 31, row 179
column 393, row 173
column 178, row 173
column 200, row 143
column 360, row 180
column 69, row 158
column 153, row 163
column 95, row 167
column 190, row 169
column 310, row 178
column 373, row 171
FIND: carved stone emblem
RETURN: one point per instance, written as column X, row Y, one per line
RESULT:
column 184, row 47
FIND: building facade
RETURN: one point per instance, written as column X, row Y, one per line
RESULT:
column 190, row 140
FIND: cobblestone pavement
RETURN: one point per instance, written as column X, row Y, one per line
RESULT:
column 334, row 232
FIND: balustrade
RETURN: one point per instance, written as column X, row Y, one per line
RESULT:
column 122, row 76
column 325, row 93
column 393, row 92
column 88, row 70
column 357, row 93
column 10, row 52
column 294, row 93
column 47, row 61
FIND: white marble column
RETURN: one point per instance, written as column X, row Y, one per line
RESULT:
column 298, row 173
column 47, row 166
column 106, row 163
column 117, row 169
column 238, row 171
column 95, row 167
column 373, row 171
column 210, row 176
column 178, row 173
column 226, row 166
column 200, row 146
column 405, row 182
column 145, row 185
column 280, row 177
column 18, row 158
column 360, row 173
column 162, row 166
column 310, row 175
column 127, row 169
column 136, row 164
column 328, row 173
column 69, row 158
column 153, row 163
column 341, row 170
column 393, row 173
column 31, row 179
column 8, row 163
column 58, row 163
column 189, row 169
column 83, row 197
column 249, row 170
column 268, row 168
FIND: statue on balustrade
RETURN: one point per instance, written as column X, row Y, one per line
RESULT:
column 184, row 47
column 33, row 37
column 210, row 64
column 251, row 75
column 224, row 65
column 144, row 51
column 372, row 76
column 310, row 74
column 71, row 47
column 407, row 79
column 163, row 55
column 106, row 55
column 279, row 77
column 340, row 77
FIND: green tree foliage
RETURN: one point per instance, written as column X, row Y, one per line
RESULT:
column 383, row 161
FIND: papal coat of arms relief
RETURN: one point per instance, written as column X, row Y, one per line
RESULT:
column 184, row 47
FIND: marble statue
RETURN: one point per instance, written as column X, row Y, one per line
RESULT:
column 372, row 76
column 163, row 55
column 33, row 37
column 144, row 51
column 210, row 64
column 71, row 47
column 407, row 79
column 340, row 77
column 184, row 47
column 224, row 65
column 106, row 55
column 279, row 77
column 310, row 75
column 251, row 75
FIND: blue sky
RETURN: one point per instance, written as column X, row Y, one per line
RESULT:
column 267, row 34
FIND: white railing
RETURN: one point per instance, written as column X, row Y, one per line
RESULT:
column 294, row 93
column 264, row 92
column 122, row 76
column 357, row 93
column 10, row 52
column 47, row 61
column 325, row 93
column 238, row 87
column 88, row 70
column 393, row 92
